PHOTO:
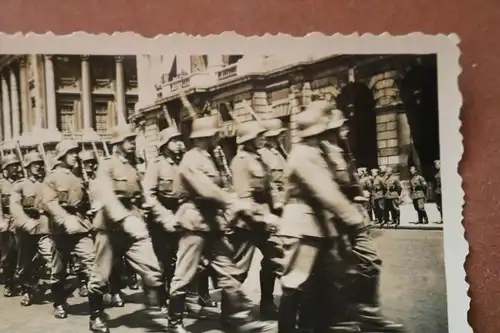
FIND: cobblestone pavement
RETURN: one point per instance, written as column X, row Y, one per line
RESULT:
column 413, row 292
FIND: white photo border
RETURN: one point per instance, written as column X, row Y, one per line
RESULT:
column 450, row 102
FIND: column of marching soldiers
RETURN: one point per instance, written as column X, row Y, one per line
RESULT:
column 190, row 216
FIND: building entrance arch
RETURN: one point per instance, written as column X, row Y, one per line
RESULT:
column 357, row 103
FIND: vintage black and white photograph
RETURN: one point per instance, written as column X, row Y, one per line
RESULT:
column 307, row 190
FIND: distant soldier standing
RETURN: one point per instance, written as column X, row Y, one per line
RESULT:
column 378, row 196
column 418, row 187
column 120, row 226
column 64, row 199
column 252, row 183
column 367, row 185
column 203, row 227
column 32, row 225
column 392, row 197
column 11, row 174
column 439, row 198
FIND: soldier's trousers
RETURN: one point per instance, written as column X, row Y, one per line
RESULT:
column 8, row 259
column 439, row 204
column 65, row 245
column 30, row 247
column 244, row 243
column 392, row 209
column 379, row 209
column 419, row 205
column 313, row 271
column 215, row 247
column 165, row 245
column 369, row 208
column 138, row 253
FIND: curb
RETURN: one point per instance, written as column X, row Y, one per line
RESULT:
column 410, row 227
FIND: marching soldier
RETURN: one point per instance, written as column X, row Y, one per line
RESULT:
column 64, row 199
column 439, row 198
column 392, row 197
column 120, row 226
column 203, row 226
column 367, row 185
column 32, row 224
column 314, row 202
column 378, row 196
column 89, row 164
column 274, row 155
column 252, row 183
column 11, row 174
column 418, row 187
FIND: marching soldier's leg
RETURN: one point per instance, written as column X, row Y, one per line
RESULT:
column 423, row 212
column 395, row 212
column 27, row 247
column 387, row 211
column 205, row 299
column 133, row 283
column 84, row 252
column 417, row 209
column 99, row 277
column 188, row 257
column 272, row 251
column 238, row 304
column 439, row 204
column 8, row 261
column 365, row 289
column 61, row 252
column 115, row 284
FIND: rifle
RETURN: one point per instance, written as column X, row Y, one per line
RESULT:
column 18, row 150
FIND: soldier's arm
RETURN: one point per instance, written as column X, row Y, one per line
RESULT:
column 16, row 208
column 200, row 183
column 318, row 179
column 150, row 184
column 51, row 200
column 95, row 204
column 106, row 195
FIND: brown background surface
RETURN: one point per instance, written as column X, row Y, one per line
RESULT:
column 477, row 23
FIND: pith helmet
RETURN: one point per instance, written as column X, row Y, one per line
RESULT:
column 168, row 134
column 248, row 131
column 121, row 133
column 274, row 128
column 9, row 160
column 63, row 147
column 32, row 157
column 337, row 120
column 315, row 119
column 87, row 155
column 205, row 127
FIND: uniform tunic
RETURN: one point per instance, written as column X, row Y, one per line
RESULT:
column 276, row 164
column 392, row 200
column 418, row 186
column 119, row 191
column 31, row 222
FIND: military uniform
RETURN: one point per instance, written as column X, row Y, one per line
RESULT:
column 392, row 200
column 437, row 192
column 378, row 197
column 64, row 198
column 367, row 185
column 314, row 210
column 32, row 228
column 8, row 250
column 252, row 182
column 121, row 229
column 203, row 224
column 418, row 186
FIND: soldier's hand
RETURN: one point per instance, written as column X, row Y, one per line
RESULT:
column 72, row 224
column 30, row 226
column 135, row 227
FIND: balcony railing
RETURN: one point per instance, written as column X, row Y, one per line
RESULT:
column 194, row 80
column 227, row 72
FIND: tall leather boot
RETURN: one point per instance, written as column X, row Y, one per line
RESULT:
column 59, row 295
column 96, row 323
column 424, row 217
column 26, row 296
column 176, row 306
column 268, row 309
column 204, row 298
column 288, row 309
column 239, row 307
column 369, row 315
column 83, row 291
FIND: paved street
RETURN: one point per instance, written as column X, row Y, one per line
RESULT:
column 413, row 292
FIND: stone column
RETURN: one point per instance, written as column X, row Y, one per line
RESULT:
column 86, row 93
column 14, row 104
column 50, row 93
column 121, row 106
column 24, row 95
column 7, row 130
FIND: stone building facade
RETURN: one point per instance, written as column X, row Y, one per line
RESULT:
column 66, row 92
column 390, row 100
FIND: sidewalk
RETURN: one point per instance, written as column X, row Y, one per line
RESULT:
column 409, row 217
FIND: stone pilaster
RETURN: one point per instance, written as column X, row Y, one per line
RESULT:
column 7, row 130
column 50, row 93
column 121, row 106
column 14, row 105
column 86, row 93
